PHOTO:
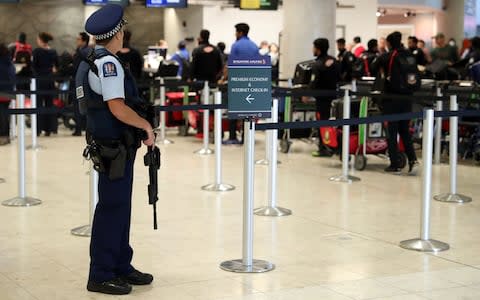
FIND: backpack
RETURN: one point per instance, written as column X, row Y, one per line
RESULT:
column 303, row 72
column 361, row 67
column 186, row 68
column 168, row 68
column 403, row 74
column 23, row 53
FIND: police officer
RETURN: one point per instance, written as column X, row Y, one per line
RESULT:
column 325, row 76
column 110, row 93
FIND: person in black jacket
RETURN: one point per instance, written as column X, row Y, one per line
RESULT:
column 7, row 74
column 45, row 60
column 389, row 65
column 207, row 62
column 417, row 52
column 325, row 75
column 131, row 56
column 346, row 60
column 81, row 53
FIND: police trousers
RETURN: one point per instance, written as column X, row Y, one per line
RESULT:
column 110, row 251
column 398, row 128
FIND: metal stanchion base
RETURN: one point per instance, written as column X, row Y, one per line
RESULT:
column 36, row 148
column 222, row 187
column 164, row 142
column 424, row 245
column 268, row 211
column 346, row 179
column 18, row 201
column 204, row 151
column 264, row 162
column 82, row 231
column 453, row 198
column 2, row 180
column 237, row 266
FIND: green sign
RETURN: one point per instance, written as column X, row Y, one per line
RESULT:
column 250, row 88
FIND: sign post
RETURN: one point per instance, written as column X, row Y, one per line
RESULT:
column 249, row 98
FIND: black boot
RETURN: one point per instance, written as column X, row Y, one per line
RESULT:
column 138, row 278
column 115, row 286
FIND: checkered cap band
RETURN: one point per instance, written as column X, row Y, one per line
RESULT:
column 111, row 33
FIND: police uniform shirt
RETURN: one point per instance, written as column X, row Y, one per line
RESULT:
column 110, row 82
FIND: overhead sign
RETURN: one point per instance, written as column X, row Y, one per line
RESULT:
column 166, row 3
column 105, row 2
column 257, row 4
column 249, row 88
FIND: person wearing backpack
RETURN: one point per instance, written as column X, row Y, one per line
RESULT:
column 183, row 58
column 399, row 68
column 364, row 65
column 20, row 49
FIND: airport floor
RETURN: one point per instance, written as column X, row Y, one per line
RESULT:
column 341, row 242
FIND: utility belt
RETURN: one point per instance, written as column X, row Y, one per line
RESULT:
column 110, row 156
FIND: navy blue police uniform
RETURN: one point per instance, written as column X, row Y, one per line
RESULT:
column 112, row 146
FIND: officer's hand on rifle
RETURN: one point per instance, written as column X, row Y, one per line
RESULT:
column 150, row 141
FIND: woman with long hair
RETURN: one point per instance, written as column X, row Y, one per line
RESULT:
column 45, row 59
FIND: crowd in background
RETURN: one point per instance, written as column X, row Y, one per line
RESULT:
column 20, row 60
column 208, row 62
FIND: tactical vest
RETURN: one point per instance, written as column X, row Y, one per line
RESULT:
column 101, row 123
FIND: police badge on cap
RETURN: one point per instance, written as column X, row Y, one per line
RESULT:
column 105, row 22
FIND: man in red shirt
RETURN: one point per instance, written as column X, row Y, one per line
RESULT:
column 358, row 48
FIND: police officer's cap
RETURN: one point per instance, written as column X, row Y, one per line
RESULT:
column 105, row 22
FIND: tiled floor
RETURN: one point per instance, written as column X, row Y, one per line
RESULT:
column 340, row 244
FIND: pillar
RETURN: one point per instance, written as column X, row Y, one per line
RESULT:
column 304, row 21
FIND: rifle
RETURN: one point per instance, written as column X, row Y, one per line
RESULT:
column 152, row 161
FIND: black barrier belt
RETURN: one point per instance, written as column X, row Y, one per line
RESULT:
column 25, row 80
column 38, row 111
column 339, row 122
column 459, row 113
column 361, row 121
column 55, row 110
column 191, row 107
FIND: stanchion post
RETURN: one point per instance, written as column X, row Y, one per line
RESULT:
column 13, row 124
column 266, row 161
column 438, row 130
column 247, row 264
column 345, row 177
column 93, row 187
column 22, row 199
column 269, row 136
column 453, row 196
column 206, row 118
column 218, row 186
column 33, row 117
column 424, row 243
column 163, row 123
column 272, row 210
